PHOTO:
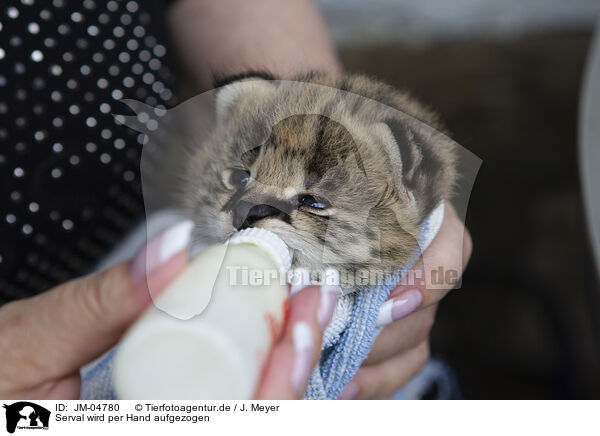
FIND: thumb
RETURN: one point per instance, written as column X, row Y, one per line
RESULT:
column 55, row 333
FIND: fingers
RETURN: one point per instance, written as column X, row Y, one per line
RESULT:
column 297, row 351
column 409, row 313
column 434, row 274
column 402, row 335
column 382, row 380
column 443, row 261
column 49, row 336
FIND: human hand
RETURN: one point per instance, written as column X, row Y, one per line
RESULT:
column 402, row 348
column 44, row 340
column 296, row 352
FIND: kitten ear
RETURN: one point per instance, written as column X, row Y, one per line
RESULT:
column 228, row 95
column 422, row 160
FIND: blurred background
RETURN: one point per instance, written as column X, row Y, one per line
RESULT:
column 505, row 77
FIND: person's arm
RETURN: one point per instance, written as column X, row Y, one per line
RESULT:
column 216, row 39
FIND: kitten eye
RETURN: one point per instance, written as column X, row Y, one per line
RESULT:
column 312, row 202
column 239, row 177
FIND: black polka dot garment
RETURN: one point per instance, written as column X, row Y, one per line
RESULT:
column 69, row 174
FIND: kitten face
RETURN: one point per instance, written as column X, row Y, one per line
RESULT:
column 345, row 189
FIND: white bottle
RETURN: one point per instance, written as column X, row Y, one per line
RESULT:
column 215, row 345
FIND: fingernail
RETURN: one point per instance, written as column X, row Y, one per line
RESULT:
column 330, row 290
column 350, row 391
column 399, row 307
column 160, row 249
column 303, row 354
column 300, row 278
column 175, row 239
column 331, row 278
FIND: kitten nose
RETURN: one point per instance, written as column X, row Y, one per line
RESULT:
column 246, row 215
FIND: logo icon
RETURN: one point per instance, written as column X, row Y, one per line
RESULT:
column 26, row 415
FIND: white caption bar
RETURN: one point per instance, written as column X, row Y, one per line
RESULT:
column 299, row 417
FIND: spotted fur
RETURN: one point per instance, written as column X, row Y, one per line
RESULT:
column 366, row 153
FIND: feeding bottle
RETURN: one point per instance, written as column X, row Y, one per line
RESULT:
column 207, row 335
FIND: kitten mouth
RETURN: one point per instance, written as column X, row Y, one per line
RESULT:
column 279, row 227
column 247, row 214
column 253, row 222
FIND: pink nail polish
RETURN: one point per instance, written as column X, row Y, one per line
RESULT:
column 399, row 307
column 303, row 354
column 329, row 295
column 160, row 249
column 300, row 278
column 350, row 391
column 330, row 289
